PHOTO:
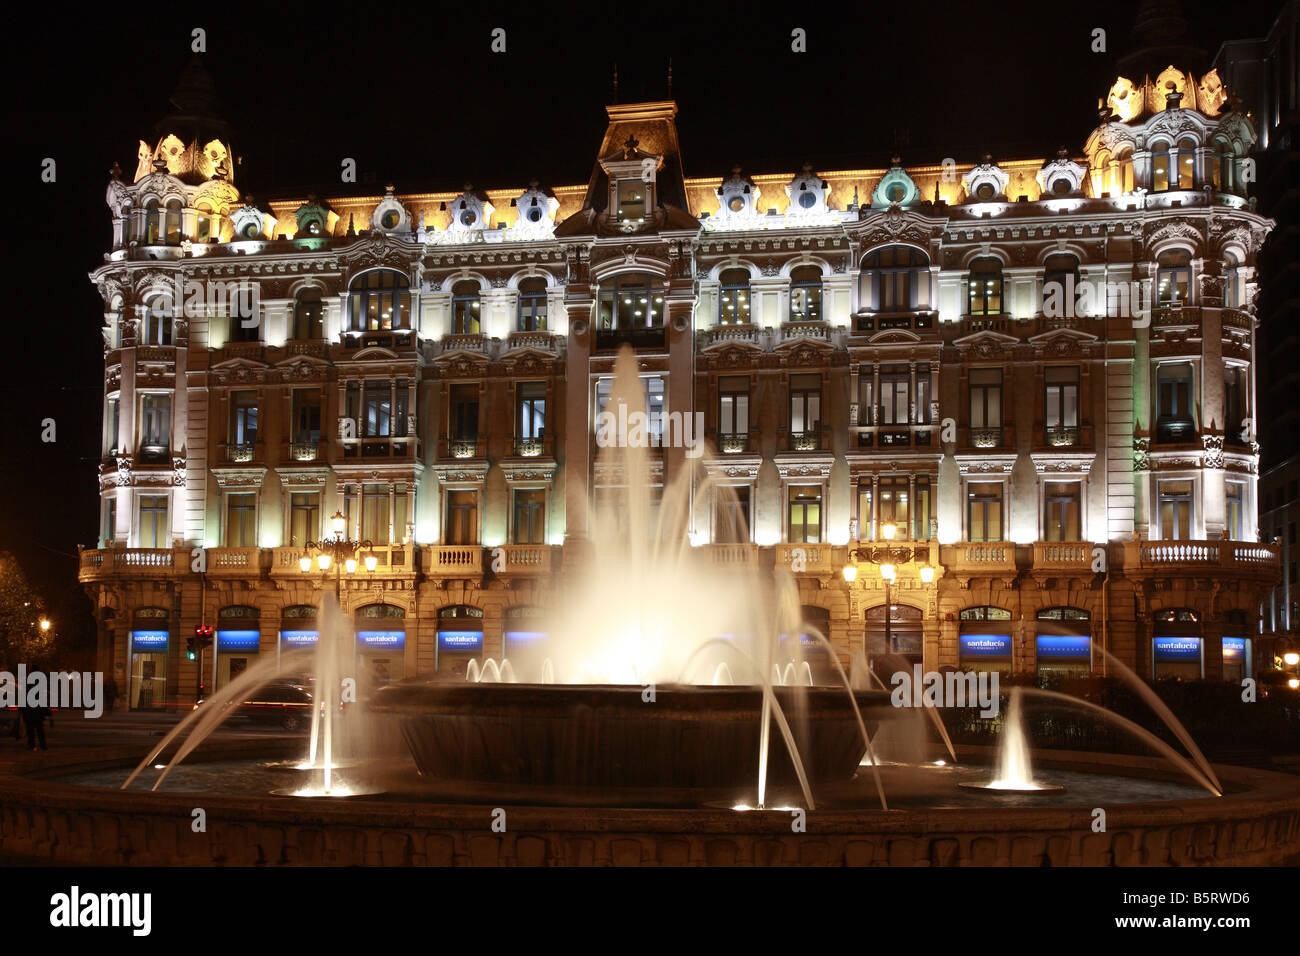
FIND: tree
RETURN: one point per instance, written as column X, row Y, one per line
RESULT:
column 22, row 639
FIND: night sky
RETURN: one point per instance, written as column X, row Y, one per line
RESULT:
column 415, row 96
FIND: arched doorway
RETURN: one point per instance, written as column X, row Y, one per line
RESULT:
column 897, row 639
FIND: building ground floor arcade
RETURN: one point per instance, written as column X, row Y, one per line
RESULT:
column 988, row 609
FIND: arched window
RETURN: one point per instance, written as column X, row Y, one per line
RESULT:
column 1060, row 284
column 466, row 308
column 308, row 316
column 1064, row 614
column 733, row 301
column 532, row 305
column 806, row 294
column 174, row 208
column 158, row 320
column 985, row 287
column 1161, row 170
column 379, row 301
column 1187, row 164
column 1173, row 278
column 631, row 301
column 153, row 226
column 895, row 279
column 206, row 223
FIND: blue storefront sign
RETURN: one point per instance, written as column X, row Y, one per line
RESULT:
column 292, row 639
column 1234, row 648
column 1177, row 648
column 382, row 640
column 1064, row 645
column 985, row 645
column 228, row 641
column 460, row 640
column 517, row 639
column 149, row 641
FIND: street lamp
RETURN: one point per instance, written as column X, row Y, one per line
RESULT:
column 340, row 550
column 45, row 624
column 887, row 558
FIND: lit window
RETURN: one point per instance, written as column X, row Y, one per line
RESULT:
column 466, row 308
column 631, row 200
column 806, row 294
column 733, row 301
column 985, row 286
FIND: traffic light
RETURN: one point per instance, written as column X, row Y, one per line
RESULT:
column 190, row 655
column 202, row 639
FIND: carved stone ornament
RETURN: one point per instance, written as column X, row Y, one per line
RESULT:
column 1141, row 454
column 1213, row 457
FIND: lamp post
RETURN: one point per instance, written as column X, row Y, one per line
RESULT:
column 340, row 551
column 887, row 558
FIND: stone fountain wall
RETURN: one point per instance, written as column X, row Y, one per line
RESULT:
column 1258, row 824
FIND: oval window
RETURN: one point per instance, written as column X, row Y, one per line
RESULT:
column 737, row 203
column 468, row 217
column 807, row 200
column 985, row 191
column 250, row 231
column 313, row 228
column 1061, row 186
column 390, row 219
column 534, row 214
column 896, row 192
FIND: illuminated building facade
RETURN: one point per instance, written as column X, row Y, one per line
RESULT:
column 1039, row 374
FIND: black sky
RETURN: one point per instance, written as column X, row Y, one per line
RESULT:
column 415, row 96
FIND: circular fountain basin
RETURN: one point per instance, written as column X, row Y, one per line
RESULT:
column 566, row 737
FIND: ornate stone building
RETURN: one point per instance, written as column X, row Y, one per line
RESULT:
column 1037, row 373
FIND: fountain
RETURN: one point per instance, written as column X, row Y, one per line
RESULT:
column 1015, row 768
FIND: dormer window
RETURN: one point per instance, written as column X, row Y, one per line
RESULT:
column 631, row 200
column 807, row 198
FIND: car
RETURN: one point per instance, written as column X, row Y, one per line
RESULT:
column 284, row 702
column 1277, row 683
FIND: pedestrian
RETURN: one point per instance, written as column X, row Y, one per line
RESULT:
column 34, row 718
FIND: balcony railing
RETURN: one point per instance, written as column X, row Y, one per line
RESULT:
column 236, row 562
column 313, row 348
column 731, row 333
column 154, row 455
column 524, row 559
column 523, row 448
column 1062, row 436
column 986, row 437
column 979, row 557
column 541, row 341
column 733, row 443
column 805, row 441
column 462, row 448
column 156, row 353
column 1175, row 431
column 304, row 451
column 810, row 558
column 805, row 330
column 733, row 555
column 453, row 559
column 136, row 562
column 1065, row 555
column 238, row 454
column 641, row 338
column 871, row 322
column 1242, row 557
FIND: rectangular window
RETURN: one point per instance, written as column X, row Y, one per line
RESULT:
column 464, row 412
column 1234, row 404
column 866, row 514
column 806, row 407
column 374, row 513
column 112, row 421
column 731, row 524
column 1061, row 500
column 921, row 512
column 306, row 415
column 631, row 200
column 984, row 511
column 923, row 393
column 1235, row 493
column 986, row 404
column 894, row 504
column 1176, row 510
column 153, row 522
column 462, row 517
column 1160, row 171
column 243, row 419
column 304, row 518
column 733, row 408
column 241, row 521
column 866, row 396
column 895, row 382
column 155, row 424
column 1172, row 284
column 1061, row 405
column 110, row 520
column 530, row 517
column 1174, row 402
column 378, row 420
column 531, row 398
column 655, row 401
column 805, row 514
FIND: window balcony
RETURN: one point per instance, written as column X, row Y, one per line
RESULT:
column 1171, row 431
column 525, row 448
column 871, row 322
column 250, row 351
column 1215, row 559
column 236, row 562
column 733, row 443
column 819, row 330
column 1062, row 436
column 733, row 555
column 239, row 454
column 719, row 334
column 970, row 324
column 396, row 447
column 539, row 341
column 806, row 441
column 150, row 454
column 523, row 560
column 975, row 557
column 314, row 348
column 986, row 437
column 452, row 559
column 108, row 563
column 155, row 353
column 812, row 558
column 462, row 448
column 305, row 451
column 1068, row 556
column 608, row 340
